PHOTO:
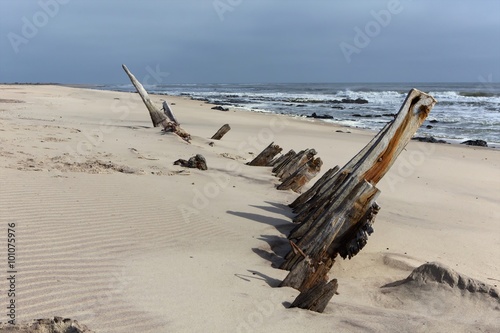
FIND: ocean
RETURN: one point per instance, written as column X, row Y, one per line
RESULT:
column 465, row 111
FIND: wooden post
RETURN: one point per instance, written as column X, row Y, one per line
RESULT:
column 266, row 155
column 339, row 213
column 157, row 117
column 221, row 132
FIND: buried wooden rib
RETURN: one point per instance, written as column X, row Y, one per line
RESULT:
column 283, row 160
column 335, row 218
column 302, row 176
column 299, row 160
column 266, row 156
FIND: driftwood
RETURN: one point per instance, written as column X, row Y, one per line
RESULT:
column 221, row 132
column 266, row 156
column 158, row 118
column 302, row 175
column 337, row 215
column 195, row 162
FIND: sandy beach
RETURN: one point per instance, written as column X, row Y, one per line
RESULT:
column 109, row 232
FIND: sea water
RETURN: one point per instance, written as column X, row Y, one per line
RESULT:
column 464, row 111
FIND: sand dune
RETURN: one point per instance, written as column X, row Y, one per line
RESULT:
column 112, row 234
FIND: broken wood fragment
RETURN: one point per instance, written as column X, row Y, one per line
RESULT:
column 221, row 132
column 266, row 155
column 195, row 162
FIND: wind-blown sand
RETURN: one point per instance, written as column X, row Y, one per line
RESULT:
column 110, row 233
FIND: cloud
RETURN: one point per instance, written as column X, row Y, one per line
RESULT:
column 252, row 41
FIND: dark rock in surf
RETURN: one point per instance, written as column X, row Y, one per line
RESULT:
column 351, row 101
column 367, row 115
column 320, row 116
column 477, row 143
column 429, row 139
column 220, row 108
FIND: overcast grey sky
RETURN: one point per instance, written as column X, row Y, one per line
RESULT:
column 249, row 41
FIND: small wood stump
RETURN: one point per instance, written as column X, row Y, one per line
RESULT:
column 221, row 132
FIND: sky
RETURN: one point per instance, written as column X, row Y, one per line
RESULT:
column 249, row 41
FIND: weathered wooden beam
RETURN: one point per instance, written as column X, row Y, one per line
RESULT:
column 157, row 117
column 338, row 214
column 266, row 155
column 378, row 156
column 221, row 132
